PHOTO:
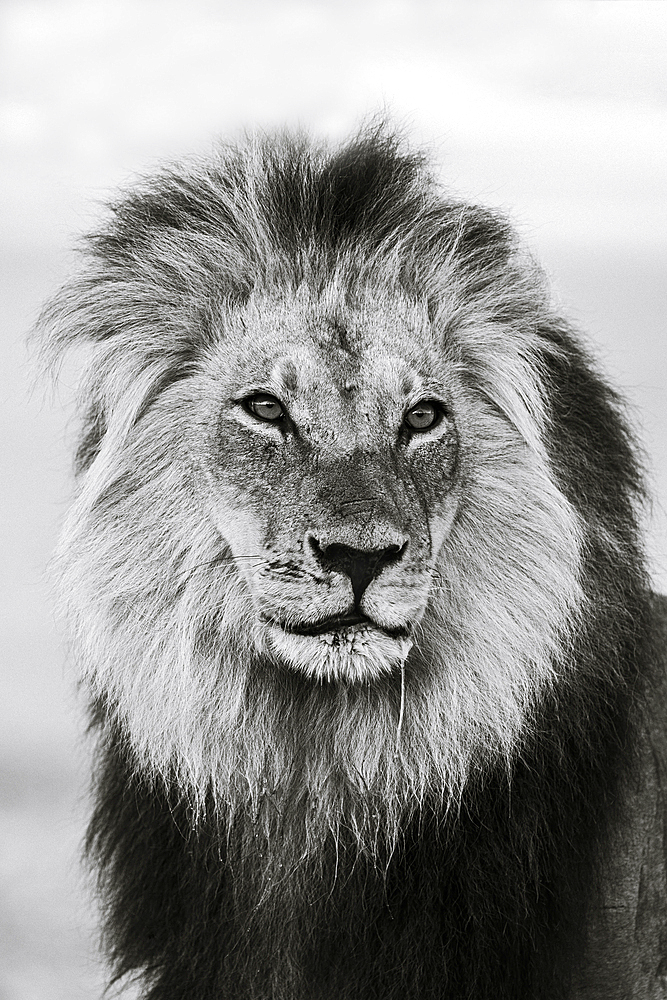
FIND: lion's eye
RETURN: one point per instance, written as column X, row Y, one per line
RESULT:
column 264, row 407
column 423, row 416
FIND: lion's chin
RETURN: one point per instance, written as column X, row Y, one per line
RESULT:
column 357, row 654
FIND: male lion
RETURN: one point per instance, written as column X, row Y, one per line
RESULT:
column 358, row 597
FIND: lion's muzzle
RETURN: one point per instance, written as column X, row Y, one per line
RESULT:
column 361, row 565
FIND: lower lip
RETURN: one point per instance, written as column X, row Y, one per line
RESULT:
column 360, row 652
column 338, row 636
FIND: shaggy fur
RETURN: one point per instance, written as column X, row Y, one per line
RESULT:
column 416, row 808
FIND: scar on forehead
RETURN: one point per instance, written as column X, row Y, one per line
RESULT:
column 285, row 373
column 339, row 335
column 409, row 382
column 397, row 374
column 344, row 338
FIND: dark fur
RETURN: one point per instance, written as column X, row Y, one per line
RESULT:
column 490, row 903
column 485, row 901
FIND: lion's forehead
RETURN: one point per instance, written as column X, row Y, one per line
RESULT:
column 327, row 352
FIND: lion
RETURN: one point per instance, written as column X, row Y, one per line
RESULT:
column 356, row 587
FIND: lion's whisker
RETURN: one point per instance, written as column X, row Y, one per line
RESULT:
column 402, row 708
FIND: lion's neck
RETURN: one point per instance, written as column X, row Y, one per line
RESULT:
column 456, row 901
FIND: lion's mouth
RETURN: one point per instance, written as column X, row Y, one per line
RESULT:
column 341, row 623
column 350, row 647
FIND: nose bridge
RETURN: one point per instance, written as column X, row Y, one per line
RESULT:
column 358, row 495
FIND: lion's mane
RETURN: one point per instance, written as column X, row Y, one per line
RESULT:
column 261, row 835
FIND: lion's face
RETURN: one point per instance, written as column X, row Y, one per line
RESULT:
column 336, row 521
column 330, row 463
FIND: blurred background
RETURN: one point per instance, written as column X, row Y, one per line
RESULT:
column 554, row 111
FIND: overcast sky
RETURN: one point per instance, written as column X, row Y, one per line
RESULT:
column 560, row 106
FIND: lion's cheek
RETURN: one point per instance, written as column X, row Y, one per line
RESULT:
column 244, row 466
column 398, row 597
column 433, row 466
column 240, row 528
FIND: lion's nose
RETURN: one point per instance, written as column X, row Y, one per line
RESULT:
column 361, row 565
